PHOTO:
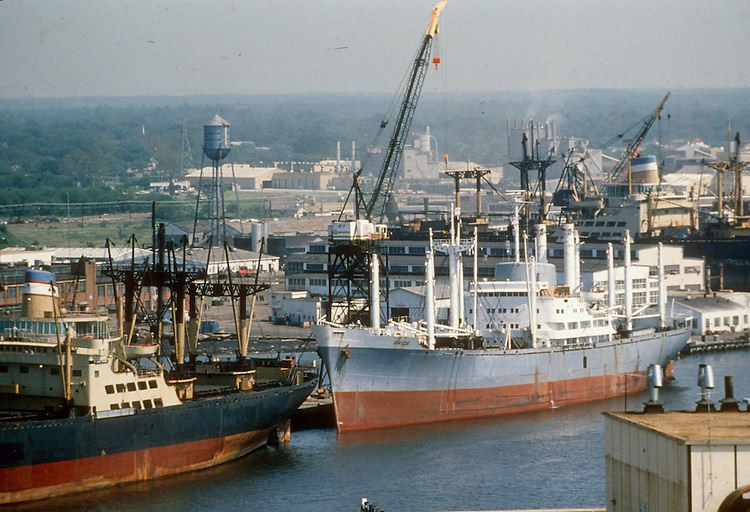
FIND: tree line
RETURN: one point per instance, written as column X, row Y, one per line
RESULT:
column 100, row 150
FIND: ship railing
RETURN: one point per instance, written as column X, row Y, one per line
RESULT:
column 447, row 329
column 405, row 326
column 24, row 335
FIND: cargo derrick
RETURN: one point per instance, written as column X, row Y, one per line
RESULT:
column 532, row 161
column 732, row 165
column 355, row 246
column 187, row 285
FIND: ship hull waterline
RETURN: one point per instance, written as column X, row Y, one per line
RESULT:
column 379, row 382
column 44, row 459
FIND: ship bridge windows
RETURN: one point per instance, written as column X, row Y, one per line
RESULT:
column 109, row 388
column 131, row 386
column 147, row 404
column 142, row 385
column 120, row 388
column 114, row 406
column 94, row 329
column 158, row 402
column 152, row 384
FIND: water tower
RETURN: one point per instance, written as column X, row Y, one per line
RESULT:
column 210, row 202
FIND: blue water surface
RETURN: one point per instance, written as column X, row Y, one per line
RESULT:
column 550, row 459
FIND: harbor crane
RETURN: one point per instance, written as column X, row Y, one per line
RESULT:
column 631, row 150
column 576, row 187
column 355, row 245
column 373, row 208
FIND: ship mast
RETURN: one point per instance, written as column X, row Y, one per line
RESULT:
column 732, row 165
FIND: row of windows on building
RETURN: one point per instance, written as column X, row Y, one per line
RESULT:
column 107, row 290
column 301, row 283
column 725, row 321
column 66, row 289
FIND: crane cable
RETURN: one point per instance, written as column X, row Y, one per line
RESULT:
column 441, row 51
column 393, row 106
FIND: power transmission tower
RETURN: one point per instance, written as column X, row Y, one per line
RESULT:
column 186, row 159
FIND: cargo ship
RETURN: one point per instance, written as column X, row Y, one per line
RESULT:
column 526, row 344
column 81, row 409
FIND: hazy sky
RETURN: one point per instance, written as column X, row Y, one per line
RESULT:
column 179, row 47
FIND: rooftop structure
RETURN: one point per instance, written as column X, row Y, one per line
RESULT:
column 676, row 460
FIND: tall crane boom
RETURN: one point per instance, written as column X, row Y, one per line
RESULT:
column 374, row 208
column 632, row 149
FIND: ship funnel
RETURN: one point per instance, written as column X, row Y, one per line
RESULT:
column 654, row 377
column 40, row 294
column 644, row 169
column 706, row 383
column 729, row 402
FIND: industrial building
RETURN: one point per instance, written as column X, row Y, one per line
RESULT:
column 716, row 313
column 309, row 270
column 296, row 308
column 407, row 304
column 310, row 180
column 243, row 176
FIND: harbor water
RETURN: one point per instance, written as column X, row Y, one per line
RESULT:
column 550, row 459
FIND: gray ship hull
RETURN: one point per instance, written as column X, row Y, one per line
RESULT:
column 383, row 380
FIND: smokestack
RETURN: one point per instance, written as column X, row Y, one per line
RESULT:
column 706, row 383
column 654, row 377
column 729, row 402
column 338, row 157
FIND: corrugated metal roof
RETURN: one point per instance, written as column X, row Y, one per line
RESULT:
column 709, row 304
column 693, row 427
